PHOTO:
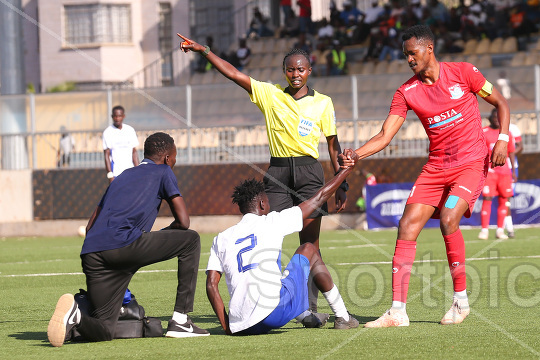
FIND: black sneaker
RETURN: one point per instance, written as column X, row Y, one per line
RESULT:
column 341, row 324
column 65, row 317
column 188, row 329
column 315, row 320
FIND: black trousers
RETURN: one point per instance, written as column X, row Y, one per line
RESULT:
column 109, row 272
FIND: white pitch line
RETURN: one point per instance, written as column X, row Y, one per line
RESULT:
column 339, row 264
column 442, row 260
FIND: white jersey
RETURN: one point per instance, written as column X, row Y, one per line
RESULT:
column 249, row 253
column 121, row 143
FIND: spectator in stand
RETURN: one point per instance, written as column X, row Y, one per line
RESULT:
column 243, row 54
column 202, row 64
column 446, row 41
column 371, row 19
column 427, row 18
column 326, row 31
column 438, row 11
column 286, row 7
column 303, row 44
column 336, row 60
column 376, row 43
column 306, row 25
column 348, row 11
column 468, row 30
column 454, row 24
column 374, row 13
column 258, row 26
column 391, row 46
column 334, row 12
column 519, row 23
column 351, row 31
column 477, row 16
column 417, row 10
column 291, row 27
column 396, row 12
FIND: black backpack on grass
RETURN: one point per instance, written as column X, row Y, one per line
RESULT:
column 132, row 322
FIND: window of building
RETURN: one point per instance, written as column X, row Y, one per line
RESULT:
column 165, row 41
column 97, row 24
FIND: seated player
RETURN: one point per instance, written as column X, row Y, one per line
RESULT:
column 263, row 298
column 499, row 182
column 119, row 242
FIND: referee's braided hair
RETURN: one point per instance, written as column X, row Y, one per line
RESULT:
column 421, row 32
column 296, row 52
column 245, row 194
column 157, row 144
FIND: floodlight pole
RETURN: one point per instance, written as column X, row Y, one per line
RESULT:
column 12, row 81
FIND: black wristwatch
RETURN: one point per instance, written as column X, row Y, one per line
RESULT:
column 344, row 186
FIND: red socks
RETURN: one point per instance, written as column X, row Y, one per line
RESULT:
column 404, row 257
column 455, row 251
column 502, row 211
column 486, row 212
column 401, row 269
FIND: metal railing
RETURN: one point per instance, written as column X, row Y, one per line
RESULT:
column 217, row 123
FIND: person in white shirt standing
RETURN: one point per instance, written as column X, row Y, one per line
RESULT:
column 119, row 145
column 263, row 298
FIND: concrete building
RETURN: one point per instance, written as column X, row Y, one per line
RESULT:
column 95, row 44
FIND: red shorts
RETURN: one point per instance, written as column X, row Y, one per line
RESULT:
column 435, row 185
column 498, row 185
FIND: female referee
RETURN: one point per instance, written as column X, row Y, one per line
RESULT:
column 295, row 117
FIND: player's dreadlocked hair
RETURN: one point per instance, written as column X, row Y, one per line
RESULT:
column 245, row 193
column 296, row 52
column 157, row 144
column 421, row 32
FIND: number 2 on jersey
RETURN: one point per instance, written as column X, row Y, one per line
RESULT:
column 241, row 266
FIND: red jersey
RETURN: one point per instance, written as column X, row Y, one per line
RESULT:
column 305, row 8
column 448, row 110
column 492, row 135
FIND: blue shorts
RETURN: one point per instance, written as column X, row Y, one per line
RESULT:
column 293, row 297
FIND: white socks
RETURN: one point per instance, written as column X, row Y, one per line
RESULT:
column 179, row 317
column 461, row 296
column 303, row 315
column 508, row 223
column 336, row 303
column 401, row 306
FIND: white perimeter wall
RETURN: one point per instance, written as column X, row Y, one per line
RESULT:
column 15, row 196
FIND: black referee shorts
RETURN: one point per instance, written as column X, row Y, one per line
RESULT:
column 292, row 180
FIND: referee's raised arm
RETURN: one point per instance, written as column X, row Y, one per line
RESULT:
column 223, row 66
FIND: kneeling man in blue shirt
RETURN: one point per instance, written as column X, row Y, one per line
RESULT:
column 119, row 242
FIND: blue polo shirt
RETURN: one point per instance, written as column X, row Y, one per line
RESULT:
column 130, row 206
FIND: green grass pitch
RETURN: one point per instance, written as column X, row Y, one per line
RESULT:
column 503, row 286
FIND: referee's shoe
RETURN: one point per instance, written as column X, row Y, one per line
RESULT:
column 65, row 317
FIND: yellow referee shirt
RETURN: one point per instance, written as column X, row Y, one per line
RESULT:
column 294, row 127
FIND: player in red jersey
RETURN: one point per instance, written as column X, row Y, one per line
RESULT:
column 443, row 96
column 498, row 182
